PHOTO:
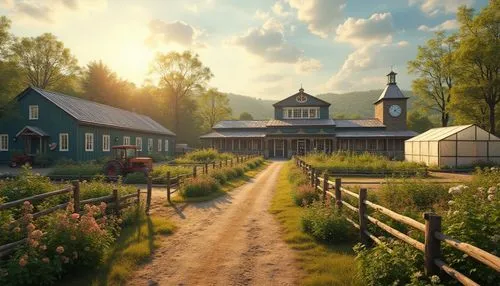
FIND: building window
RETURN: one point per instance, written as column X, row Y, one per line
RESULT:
column 313, row 113
column 297, row 113
column 33, row 112
column 289, row 113
column 89, row 142
column 138, row 143
column 63, row 142
column 4, row 142
column 166, row 145
column 150, row 145
column 305, row 113
column 372, row 144
column 159, row 145
column 106, row 142
column 126, row 140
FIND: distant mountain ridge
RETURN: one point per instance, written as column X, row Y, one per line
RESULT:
column 347, row 105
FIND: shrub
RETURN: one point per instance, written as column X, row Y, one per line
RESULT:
column 203, row 156
column 157, row 157
column 221, row 175
column 77, row 169
column 297, row 177
column 305, row 195
column 200, row 186
column 325, row 223
column 98, row 188
column 159, row 173
column 27, row 184
column 239, row 171
column 401, row 267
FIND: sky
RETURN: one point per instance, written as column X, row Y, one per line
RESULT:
column 261, row 48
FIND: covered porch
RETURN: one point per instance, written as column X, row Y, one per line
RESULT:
column 35, row 140
column 244, row 142
column 286, row 147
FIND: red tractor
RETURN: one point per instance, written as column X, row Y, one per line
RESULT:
column 127, row 161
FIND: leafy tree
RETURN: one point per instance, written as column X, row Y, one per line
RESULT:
column 246, row 116
column 100, row 84
column 419, row 121
column 213, row 106
column 180, row 75
column 44, row 60
column 478, row 84
column 436, row 74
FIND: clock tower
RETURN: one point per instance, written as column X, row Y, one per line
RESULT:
column 390, row 107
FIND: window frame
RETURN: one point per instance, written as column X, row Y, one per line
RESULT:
column 31, row 113
column 61, row 135
column 159, row 145
column 166, row 145
column 137, row 141
column 104, row 138
column 150, row 145
column 87, row 141
column 2, row 136
column 126, row 142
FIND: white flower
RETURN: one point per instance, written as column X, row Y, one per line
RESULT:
column 491, row 197
column 435, row 279
column 480, row 190
column 456, row 212
column 450, row 203
column 492, row 190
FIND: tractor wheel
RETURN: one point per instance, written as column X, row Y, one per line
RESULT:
column 113, row 169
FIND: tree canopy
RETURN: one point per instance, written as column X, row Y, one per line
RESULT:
column 246, row 116
column 213, row 106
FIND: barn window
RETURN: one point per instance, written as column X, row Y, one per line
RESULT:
column 89, row 142
column 289, row 112
column 63, row 142
column 138, row 143
column 150, row 145
column 106, row 143
column 126, row 140
column 159, row 145
column 4, row 142
column 166, row 145
column 33, row 112
column 297, row 112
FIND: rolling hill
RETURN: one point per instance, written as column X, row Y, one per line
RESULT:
column 348, row 105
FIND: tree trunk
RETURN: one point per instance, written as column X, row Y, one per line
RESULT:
column 444, row 119
column 492, row 119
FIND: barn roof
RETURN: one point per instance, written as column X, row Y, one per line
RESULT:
column 358, row 123
column 236, row 124
column 93, row 113
column 234, row 134
column 300, row 122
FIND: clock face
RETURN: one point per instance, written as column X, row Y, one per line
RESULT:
column 301, row 98
column 395, row 110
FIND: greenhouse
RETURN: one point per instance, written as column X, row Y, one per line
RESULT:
column 453, row 146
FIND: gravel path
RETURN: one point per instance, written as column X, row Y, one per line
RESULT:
column 232, row 240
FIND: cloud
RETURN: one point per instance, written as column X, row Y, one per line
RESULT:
column 269, row 77
column 268, row 42
column 175, row 32
column 433, row 7
column 261, row 15
column 446, row 25
column 307, row 65
column 192, row 8
column 34, row 10
column 376, row 29
column 321, row 16
column 403, row 43
column 279, row 10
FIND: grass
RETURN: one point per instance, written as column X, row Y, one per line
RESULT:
column 134, row 246
column 227, row 187
column 323, row 264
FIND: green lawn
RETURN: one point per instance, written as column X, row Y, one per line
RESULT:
column 322, row 264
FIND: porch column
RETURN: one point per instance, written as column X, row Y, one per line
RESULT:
column 40, row 144
column 232, row 144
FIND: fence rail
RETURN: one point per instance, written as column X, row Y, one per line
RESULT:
column 431, row 229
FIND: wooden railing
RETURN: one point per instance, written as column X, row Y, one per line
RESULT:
column 115, row 202
column 431, row 247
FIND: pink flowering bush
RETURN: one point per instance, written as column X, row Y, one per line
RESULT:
column 68, row 240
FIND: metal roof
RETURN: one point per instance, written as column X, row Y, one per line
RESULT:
column 93, row 113
column 371, row 134
column 391, row 91
column 301, row 122
column 234, row 134
column 437, row 134
column 356, row 123
column 234, row 124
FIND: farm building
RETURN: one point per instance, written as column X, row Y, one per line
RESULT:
column 53, row 125
column 453, row 146
column 302, row 124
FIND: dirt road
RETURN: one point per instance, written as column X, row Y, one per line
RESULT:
column 232, row 240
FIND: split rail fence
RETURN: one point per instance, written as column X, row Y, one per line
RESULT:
column 433, row 261
column 115, row 202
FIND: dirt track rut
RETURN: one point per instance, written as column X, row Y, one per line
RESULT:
column 232, row 240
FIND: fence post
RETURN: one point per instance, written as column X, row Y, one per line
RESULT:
column 213, row 165
column 432, row 244
column 76, row 196
column 338, row 192
column 312, row 177
column 362, row 219
column 116, row 201
column 138, row 197
column 220, row 164
column 149, row 191
column 194, row 171
column 325, row 186
column 231, row 162
column 206, row 169
column 226, row 162
column 168, row 186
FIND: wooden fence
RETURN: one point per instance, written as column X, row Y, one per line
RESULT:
column 115, row 202
column 431, row 247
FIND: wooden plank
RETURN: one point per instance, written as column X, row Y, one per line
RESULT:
column 352, row 222
column 12, row 244
column 350, row 193
column 415, row 243
column 126, row 205
column 97, row 200
column 401, row 218
column 455, row 274
column 125, row 197
column 349, row 206
column 36, row 197
column 471, row 250
column 50, row 210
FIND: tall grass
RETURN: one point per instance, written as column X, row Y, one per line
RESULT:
column 366, row 162
column 203, row 156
